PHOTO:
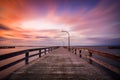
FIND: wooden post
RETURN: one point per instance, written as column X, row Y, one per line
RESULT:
column 40, row 53
column 45, row 51
column 27, row 57
column 75, row 51
column 80, row 53
column 90, row 55
column 48, row 49
column 51, row 48
column 72, row 50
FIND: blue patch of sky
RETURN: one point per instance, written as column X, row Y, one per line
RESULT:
column 73, row 6
column 109, row 3
column 91, row 5
column 61, row 7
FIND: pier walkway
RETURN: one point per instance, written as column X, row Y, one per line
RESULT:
column 60, row 64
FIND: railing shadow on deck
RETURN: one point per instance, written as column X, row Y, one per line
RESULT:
column 25, row 58
column 92, row 59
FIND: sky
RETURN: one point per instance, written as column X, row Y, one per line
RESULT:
column 40, row 22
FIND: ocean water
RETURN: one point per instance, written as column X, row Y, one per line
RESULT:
column 6, row 72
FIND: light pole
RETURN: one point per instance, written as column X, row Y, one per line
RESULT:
column 68, row 39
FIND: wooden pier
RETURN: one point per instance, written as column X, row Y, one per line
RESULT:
column 60, row 64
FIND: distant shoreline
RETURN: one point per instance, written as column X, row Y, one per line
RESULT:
column 6, row 47
column 114, row 47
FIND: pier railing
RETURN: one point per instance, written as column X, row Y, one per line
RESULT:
column 26, row 57
column 92, row 59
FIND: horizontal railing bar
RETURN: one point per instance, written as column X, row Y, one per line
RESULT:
column 5, row 56
column 107, row 55
column 108, row 66
column 9, row 55
column 11, row 64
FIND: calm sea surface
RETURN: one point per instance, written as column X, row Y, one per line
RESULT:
column 13, row 68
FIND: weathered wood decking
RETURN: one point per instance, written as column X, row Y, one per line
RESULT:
column 60, row 65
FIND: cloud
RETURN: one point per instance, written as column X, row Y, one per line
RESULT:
column 104, row 41
column 2, row 38
column 27, row 36
column 9, row 35
column 48, row 30
column 90, row 21
column 114, row 41
column 3, row 27
column 42, row 37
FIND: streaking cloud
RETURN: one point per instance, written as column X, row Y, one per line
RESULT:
column 90, row 22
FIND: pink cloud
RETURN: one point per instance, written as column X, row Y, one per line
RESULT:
column 99, row 21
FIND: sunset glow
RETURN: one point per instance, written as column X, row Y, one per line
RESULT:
column 41, row 25
column 38, row 22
